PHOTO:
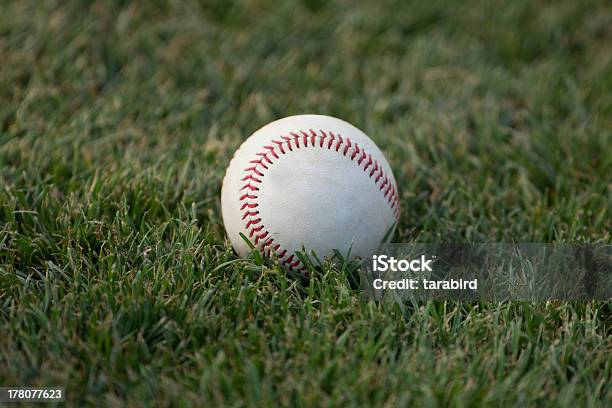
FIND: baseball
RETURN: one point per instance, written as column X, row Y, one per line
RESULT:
column 309, row 182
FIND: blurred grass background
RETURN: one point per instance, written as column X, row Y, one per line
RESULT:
column 117, row 120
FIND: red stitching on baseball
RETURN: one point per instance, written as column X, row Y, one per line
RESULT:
column 254, row 170
column 369, row 163
column 288, row 139
column 305, row 138
column 253, row 222
column 348, row 145
column 254, row 226
column 296, row 139
column 362, row 158
column 260, row 237
column 252, row 178
column 280, row 146
column 249, row 214
column 264, row 156
column 356, row 152
column 249, row 205
column 331, row 140
column 254, row 230
column 272, row 152
column 374, row 169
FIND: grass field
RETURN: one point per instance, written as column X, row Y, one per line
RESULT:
column 116, row 124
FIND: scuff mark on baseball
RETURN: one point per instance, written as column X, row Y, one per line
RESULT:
column 309, row 181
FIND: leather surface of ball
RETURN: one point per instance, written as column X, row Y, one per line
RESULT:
column 313, row 182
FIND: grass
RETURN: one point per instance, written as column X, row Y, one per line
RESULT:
column 116, row 124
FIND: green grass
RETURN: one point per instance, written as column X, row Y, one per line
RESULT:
column 116, row 124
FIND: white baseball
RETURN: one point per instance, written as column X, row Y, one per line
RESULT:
column 309, row 182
